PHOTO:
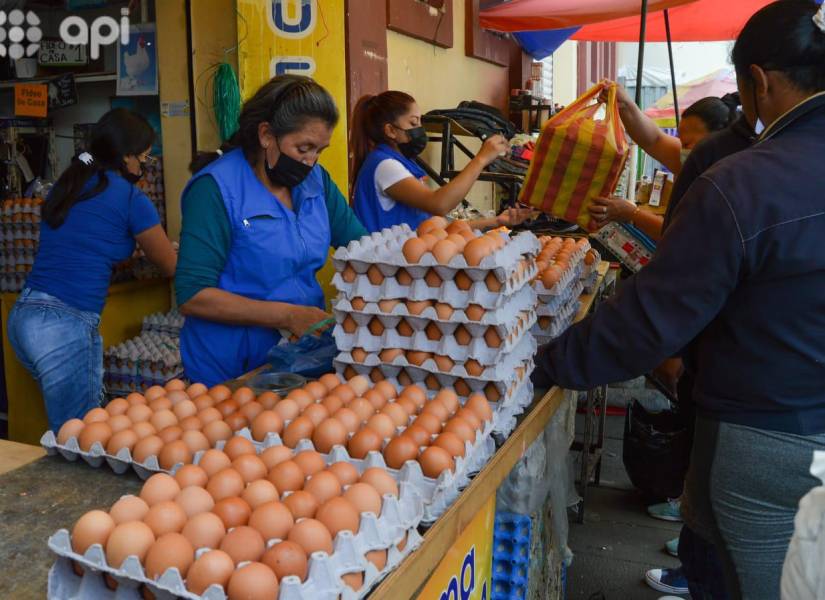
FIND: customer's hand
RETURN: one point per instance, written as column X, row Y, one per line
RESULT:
column 610, row 209
column 514, row 216
column 623, row 99
column 669, row 372
column 301, row 318
column 493, row 147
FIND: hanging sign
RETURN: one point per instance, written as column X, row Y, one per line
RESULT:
column 57, row 53
column 62, row 92
column 31, row 100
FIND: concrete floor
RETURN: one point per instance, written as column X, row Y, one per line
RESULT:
column 618, row 542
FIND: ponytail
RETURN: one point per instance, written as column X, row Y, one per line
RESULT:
column 715, row 113
column 369, row 116
column 203, row 159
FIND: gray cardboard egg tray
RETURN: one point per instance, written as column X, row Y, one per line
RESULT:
column 560, row 321
column 523, row 299
column 573, row 272
column 500, row 370
column 589, row 270
column 398, row 521
column 477, row 349
column 589, row 282
column 384, row 249
column 446, row 292
column 558, row 327
column 556, row 304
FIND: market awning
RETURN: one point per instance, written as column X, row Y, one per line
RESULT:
column 536, row 15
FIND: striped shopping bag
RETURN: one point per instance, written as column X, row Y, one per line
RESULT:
column 577, row 158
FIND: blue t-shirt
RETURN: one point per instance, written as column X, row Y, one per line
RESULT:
column 74, row 262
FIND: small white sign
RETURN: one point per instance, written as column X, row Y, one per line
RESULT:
column 57, row 53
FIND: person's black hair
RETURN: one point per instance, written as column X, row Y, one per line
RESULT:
column 286, row 103
column 715, row 113
column 118, row 133
column 783, row 37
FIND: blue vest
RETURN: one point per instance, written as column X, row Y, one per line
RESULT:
column 274, row 255
column 366, row 205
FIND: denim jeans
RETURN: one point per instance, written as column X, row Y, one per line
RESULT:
column 62, row 349
column 702, row 567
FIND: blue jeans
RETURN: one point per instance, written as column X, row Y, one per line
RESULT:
column 62, row 349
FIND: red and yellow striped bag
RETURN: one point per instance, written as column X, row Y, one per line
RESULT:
column 577, row 158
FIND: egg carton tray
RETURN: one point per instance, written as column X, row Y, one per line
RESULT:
column 554, row 325
column 508, row 413
column 384, row 250
column 558, row 304
column 559, row 327
column 447, row 291
column 588, row 270
column 524, row 299
column 398, row 522
column 573, row 272
column 589, row 282
column 579, row 253
column 500, row 370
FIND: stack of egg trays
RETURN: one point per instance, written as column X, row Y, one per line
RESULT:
column 511, row 556
column 570, row 275
column 552, row 306
column 559, row 323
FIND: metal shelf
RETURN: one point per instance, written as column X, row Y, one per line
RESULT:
column 89, row 78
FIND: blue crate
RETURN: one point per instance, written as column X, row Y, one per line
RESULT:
column 511, row 556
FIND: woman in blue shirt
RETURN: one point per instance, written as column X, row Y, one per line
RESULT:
column 258, row 221
column 92, row 219
column 389, row 189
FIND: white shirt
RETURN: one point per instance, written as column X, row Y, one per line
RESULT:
column 389, row 172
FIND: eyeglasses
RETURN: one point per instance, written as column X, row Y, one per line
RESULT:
column 147, row 159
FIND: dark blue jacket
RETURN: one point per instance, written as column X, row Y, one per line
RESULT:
column 740, row 278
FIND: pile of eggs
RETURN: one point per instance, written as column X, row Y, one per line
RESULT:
column 260, row 516
column 555, row 256
column 445, row 240
column 173, row 422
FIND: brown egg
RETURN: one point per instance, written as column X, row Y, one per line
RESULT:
column 287, row 409
column 362, row 407
column 475, row 312
column 387, row 306
column 449, row 399
column 376, row 375
column 415, row 393
column 432, row 279
column 378, row 558
column 174, row 453
column 170, row 434
column 461, row 428
column 492, row 337
column 94, row 527
column 122, row 439
column 444, row 251
column 451, row 443
column 375, row 326
column 185, row 409
column 213, row 567
column 285, row 559
column 462, row 280
column 236, row 421
column 268, row 400
column 226, row 483
column 364, row 441
column 339, row 514
column 148, row 446
column 316, row 413
column 160, row 487
column 191, row 424
column 195, row 441
column 408, row 405
column 492, row 282
column 117, row 406
column 169, row 550
column 68, row 430
column 375, row 276
column 436, row 408
column 238, row 446
column 330, row 432
column 382, row 424
column 429, row 422
column 349, row 325
column 259, row 492
column 287, row 476
column 461, row 387
column 348, row 274
column 243, row 395
column 417, row 358
column 429, row 241
column 323, row 486
column 205, row 530
column 462, row 336
column 165, row 517
column 275, row 455
column 272, row 519
column 332, row 404
column 191, row 475
column 253, row 582
column 233, row 511
column 209, row 415
column 128, row 508
column 431, row 224
column 214, row 460
column 375, row 398
column 227, row 407
column 404, row 329
column 96, row 415
column 354, row 581
column 312, row 536
column 397, row 413
column 551, row 276
column 163, row 419
column 301, row 397
column 220, row 392
column 154, row 392
column 310, row 462
column 459, row 241
column 479, row 405
column 330, row 381
column 364, row 498
column 345, row 472
column 382, row 481
column 135, row 398
column 348, row 417
column 473, row 367
column 243, row 544
column 195, row 390
column 476, row 250
column 413, row 250
column 359, row 384
column 128, row 539
column 419, row 435
column 267, row 421
column 143, row 429
column 434, row 461
column 399, row 450
column 359, row 355
column 194, row 500
column 433, row 332
column 94, row 432
column 250, row 467
column 159, row 404
column 300, row 428
column 302, row 504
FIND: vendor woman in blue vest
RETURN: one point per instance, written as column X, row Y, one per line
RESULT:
column 389, row 189
column 258, row 221
column 92, row 218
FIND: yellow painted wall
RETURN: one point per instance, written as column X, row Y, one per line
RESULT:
column 443, row 77
column 565, row 73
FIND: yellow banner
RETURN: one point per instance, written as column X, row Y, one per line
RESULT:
column 465, row 572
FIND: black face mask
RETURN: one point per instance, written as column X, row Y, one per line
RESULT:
column 287, row 172
column 131, row 177
column 417, row 143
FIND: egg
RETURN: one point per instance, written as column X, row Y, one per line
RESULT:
column 461, row 387
column 69, row 429
column 403, row 277
column 250, row 467
column 272, row 519
column 233, row 511
column 330, row 381
column 312, row 536
column 243, row 395
column 350, row 420
column 433, row 332
column 462, row 336
column 170, row 434
column 364, row 441
column 461, row 428
column 404, row 329
column 209, row 415
column 287, row 476
column 254, row 581
column 444, row 363
column 148, row 446
column 470, row 416
column 191, row 424
column 458, row 241
column 358, row 303
column 428, row 225
column 434, row 461
column 213, row 567
column 259, row 492
column 348, row 274
column 191, row 475
column 217, row 431
column 364, row 498
column 122, row 439
column 214, row 460
column 375, row 326
column 128, row 508
column 238, row 446
column 96, row 432
column 551, row 276
column 397, row 413
column 330, row 432
column 226, row 483
column 117, row 406
column 382, row 481
column 94, row 527
column 243, row 543
column 169, row 550
column 408, row 405
column 310, row 462
column 376, row 375
column 449, row 399
column 227, row 407
column 479, row 405
column 165, row 517
column 204, row 530
column 492, row 282
column 450, row 442
column 473, row 368
column 251, row 410
column 444, row 251
column 492, row 393
column 267, row 421
column 160, row 404
column 475, row 251
column 381, row 424
column 195, row 390
column 316, row 413
column 174, row 453
column 236, row 421
column 437, row 409
column 323, row 486
column 413, row 250
column 287, row 409
column 432, row 279
column 432, row 383
column 286, row 559
column 429, row 241
column 160, row 487
column 439, row 233
column 128, row 539
column 344, row 392
column 345, row 472
column 354, row 581
column 302, row 504
column 399, row 450
column 275, row 455
column 163, row 419
column 154, row 393
column 178, row 396
column 417, row 358
column 429, row 422
column 339, row 514
column 463, row 281
column 375, row 276
column 419, row 435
